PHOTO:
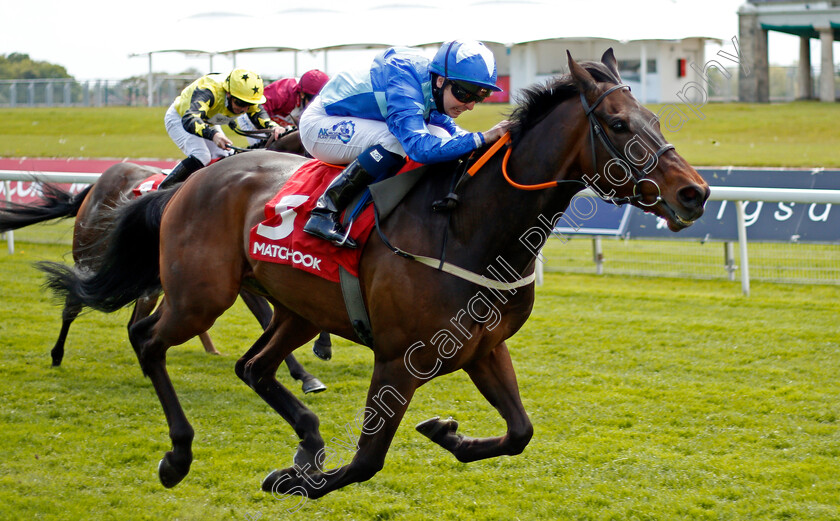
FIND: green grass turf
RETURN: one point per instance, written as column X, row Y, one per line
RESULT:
column 800, row 134
column 651, row 399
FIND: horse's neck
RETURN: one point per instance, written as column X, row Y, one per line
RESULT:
column 492, row 217
column 498, row 220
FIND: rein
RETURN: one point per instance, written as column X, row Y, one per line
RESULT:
column 453, row 269
column 502, row 141
column 265, row 134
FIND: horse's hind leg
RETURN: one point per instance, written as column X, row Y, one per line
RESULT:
column 309, row 383
column 262, row 311
column 143, row 307
column 323, row 346
column 151, row 353
column 151, row 337
column 390, row 392
column 495, row 378
column 68, row 315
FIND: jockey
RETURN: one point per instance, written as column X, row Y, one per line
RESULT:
column 285, row 100
column 194, row 119
column 404, row 105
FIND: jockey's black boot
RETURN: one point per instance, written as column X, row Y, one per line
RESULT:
column 181, row 171
column 373, row 164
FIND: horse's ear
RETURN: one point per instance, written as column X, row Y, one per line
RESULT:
column 608, row 59
column 585, row 82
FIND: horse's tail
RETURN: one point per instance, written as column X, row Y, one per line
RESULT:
column 56, row 204
column 129, row 268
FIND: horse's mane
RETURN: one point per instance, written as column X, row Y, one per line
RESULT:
column 535, row 102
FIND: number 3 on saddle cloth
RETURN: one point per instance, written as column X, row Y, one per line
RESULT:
column 281, row 239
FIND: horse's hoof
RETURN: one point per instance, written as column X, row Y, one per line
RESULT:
column 168, row 474
column 289, row 481
column 434, row 426
column 322, row 350
column 269, row 481
column 277, row 482
column 313, row 386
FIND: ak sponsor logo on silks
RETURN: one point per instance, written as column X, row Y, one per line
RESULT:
column 285, row 254
column 342, row 131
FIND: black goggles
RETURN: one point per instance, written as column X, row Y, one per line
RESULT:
column 239, row 103
column 467, row 93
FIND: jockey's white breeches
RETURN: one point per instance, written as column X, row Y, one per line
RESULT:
column 339, row 139
column 191, row 145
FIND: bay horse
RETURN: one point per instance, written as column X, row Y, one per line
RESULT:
column 578, row 130
column 93, row 208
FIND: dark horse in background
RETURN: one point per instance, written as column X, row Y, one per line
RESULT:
column 564, row 135
column 93, row 209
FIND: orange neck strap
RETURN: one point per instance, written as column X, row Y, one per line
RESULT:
column 495, row 148
column 487, row 155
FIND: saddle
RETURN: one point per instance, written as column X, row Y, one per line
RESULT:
column 280, row 237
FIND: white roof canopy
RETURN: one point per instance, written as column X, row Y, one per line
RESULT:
column 367, row 23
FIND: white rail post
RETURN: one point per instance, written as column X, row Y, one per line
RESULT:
column 598, row 255
column 729, row 260
column 742, row 243
column 10, row 235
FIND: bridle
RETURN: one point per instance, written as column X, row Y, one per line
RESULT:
column 451, row 200
column 595, row 129
column 639, row 175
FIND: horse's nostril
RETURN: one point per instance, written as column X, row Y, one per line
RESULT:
column 692, row 196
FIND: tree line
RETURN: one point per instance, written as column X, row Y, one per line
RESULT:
column 17, row 65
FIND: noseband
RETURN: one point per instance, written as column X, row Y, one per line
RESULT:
column 639, row 175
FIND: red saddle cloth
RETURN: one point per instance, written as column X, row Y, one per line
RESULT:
column 281, row 239
column 150, row 184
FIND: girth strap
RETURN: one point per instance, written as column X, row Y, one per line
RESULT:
column 351, row 290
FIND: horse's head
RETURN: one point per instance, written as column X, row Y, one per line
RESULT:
column 632, row 161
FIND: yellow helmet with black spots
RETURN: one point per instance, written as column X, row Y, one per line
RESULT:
column 245, row 85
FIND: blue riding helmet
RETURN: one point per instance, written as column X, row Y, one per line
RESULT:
column 466, row 61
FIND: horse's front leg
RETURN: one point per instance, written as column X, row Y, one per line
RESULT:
column 495, row 378
column 258, row 367
column 390, row 392
column 261, row 309
column 207, row 343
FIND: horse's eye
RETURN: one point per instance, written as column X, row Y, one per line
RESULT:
column 618, row 126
